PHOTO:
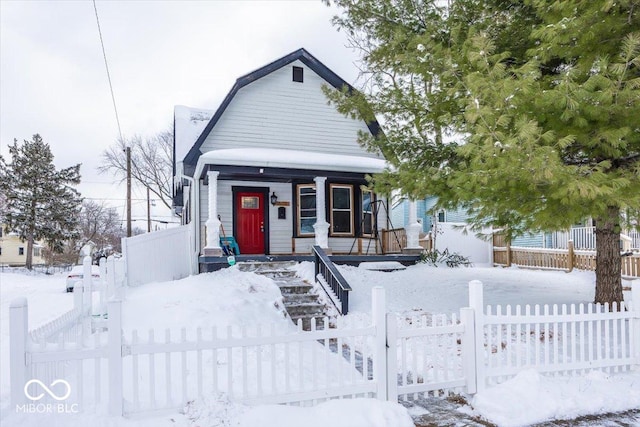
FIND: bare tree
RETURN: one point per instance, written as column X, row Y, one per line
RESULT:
column 151, row 162
column 101, row 225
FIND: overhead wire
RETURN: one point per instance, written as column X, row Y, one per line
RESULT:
column 106, row 65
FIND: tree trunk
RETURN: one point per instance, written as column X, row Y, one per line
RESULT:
column 608, row 259
column 29, row 262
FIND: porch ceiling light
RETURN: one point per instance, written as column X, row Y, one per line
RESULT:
column 274, row 198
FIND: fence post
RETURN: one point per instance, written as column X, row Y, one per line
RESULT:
column 86, row 282
column 18, row 330
column 111, row 276
column 476, row 302
column 125, row 257
column 392, row 357
column 635, row 325
column 114, row 354
column 78, row 289
column 469, row 361
column 379, row 322
column 571, row 257
column 103, row 286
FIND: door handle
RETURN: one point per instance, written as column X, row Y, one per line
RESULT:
column 262, row 227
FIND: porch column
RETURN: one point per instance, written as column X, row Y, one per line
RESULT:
column 413, row 230
column 213, row 223
column 321, row 226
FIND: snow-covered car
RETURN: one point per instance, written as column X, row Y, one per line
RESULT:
column 77, row 274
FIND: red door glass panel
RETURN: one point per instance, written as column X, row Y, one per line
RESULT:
column 250, row 222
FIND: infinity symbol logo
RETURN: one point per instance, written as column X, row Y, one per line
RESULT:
column 52, row 394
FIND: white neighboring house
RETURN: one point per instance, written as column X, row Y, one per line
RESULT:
column 281, row 167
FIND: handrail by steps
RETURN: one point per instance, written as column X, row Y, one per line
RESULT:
column 325, row 268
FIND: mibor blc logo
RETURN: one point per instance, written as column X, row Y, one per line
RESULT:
column 41, row 390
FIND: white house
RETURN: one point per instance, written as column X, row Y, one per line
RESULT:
column 277, row 167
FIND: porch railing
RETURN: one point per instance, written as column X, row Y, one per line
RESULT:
column 328, row 275
column 393, row 240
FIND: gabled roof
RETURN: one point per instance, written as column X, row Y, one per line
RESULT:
column 303, row 56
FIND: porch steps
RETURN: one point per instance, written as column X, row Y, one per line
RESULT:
column 299, row 298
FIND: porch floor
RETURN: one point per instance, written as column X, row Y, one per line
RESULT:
column 209, row 263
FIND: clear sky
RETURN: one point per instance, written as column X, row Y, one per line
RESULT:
column 160, row 54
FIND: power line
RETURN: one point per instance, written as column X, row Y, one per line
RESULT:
column 106, row 65
column 115, row 108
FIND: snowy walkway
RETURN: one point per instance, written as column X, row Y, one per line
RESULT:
column 444, row 412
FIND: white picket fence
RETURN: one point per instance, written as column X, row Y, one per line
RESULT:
column 158, row 256
column 392, row 357
column 55, row 349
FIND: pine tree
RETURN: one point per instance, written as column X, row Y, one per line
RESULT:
column 525, row 113
column 40, row 203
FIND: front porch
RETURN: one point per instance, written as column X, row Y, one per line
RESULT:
column 213, row 263
column 283, row 208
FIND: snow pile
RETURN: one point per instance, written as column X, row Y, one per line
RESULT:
column 530, row 398
column 234, row 298
column 226, row 297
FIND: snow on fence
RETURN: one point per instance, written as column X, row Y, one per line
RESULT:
column 168, row 251
column 391, row 357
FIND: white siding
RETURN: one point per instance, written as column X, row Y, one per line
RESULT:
column 280, row 231
column 276, row 112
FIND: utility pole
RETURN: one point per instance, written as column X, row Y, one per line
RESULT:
column 128, row 191
column 148, row 212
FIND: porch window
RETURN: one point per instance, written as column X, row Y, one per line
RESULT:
column 341, row 210
column 20, row 251
column 306, row 209
column 367, row 219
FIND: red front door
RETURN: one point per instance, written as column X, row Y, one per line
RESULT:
column 250, row 222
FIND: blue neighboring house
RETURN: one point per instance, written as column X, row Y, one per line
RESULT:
column 426, row 216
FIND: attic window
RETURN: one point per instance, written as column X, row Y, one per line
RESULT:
column 298, row 74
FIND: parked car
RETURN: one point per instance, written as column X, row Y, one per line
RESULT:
column 77, row 274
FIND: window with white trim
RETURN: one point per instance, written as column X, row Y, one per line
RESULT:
column 341, row 210
column 306, row 209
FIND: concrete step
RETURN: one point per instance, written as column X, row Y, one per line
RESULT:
column 300, row 302
column 294, row 299
column 260, row 267
column 295, row 288
column 298, row 310
column 277, row 274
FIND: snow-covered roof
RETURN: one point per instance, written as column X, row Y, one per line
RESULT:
column 293, row 159
column 189, row 123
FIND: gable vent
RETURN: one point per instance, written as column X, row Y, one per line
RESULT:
column 298, row 74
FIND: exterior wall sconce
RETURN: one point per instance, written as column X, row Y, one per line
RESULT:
column 274, row 198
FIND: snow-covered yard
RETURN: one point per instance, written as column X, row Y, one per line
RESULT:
column 231, row 297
